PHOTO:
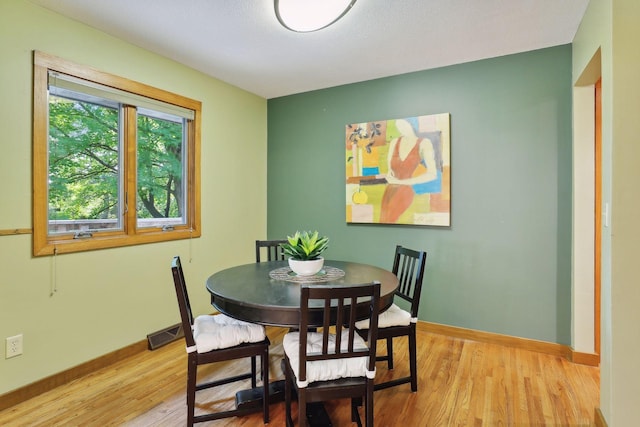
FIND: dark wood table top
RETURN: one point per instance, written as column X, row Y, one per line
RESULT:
column 250, row 292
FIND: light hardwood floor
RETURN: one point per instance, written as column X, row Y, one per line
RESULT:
column 462, row 383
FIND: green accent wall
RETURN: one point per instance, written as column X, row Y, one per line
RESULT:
column 504, row 264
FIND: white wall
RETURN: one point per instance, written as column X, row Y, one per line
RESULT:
column 583, row 296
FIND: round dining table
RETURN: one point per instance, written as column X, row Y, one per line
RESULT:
column 268, row 293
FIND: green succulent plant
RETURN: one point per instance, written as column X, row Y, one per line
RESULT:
column 305, row 245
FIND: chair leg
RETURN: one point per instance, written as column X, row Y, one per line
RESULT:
column 192, row 370
column 369, row 405
column 390, row 353
column 302, row 407
column 413, row 364
column 355, row 415
column 253, row 372
column 265, row 384
column 287, row 396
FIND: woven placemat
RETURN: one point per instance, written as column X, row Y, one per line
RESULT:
column 327, row 274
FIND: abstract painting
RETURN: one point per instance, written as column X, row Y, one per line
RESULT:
column 399, row 171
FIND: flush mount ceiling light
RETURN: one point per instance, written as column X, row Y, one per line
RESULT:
column 305, row 16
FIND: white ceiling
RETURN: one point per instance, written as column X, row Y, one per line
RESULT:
column 242, row 43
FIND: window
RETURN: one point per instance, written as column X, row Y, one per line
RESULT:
column 115, row 162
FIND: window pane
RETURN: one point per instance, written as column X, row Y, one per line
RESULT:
column 83, row 165
column 92, row 131
column 161, row 172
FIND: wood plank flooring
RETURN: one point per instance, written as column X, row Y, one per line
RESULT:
column 462, row 383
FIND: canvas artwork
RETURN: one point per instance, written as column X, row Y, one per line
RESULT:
column 399, row 171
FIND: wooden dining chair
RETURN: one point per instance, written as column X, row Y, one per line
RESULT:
column 272, row 248
column 333, row 362
column 408, row 266
column 219, row 338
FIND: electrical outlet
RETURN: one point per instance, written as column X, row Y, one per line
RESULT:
column 13, row 346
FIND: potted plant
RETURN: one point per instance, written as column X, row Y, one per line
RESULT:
column 304, row 249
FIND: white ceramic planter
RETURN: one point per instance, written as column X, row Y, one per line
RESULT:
column 306, row 268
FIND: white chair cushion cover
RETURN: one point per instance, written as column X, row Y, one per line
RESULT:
column 393, row 316
column 221, row 331
column 325, row 370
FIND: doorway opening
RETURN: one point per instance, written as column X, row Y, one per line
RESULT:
column 587, row 213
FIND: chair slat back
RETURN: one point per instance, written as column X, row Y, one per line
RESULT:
column 408, row 265
column 341, row 317
column 183, row 301
column 272, row 249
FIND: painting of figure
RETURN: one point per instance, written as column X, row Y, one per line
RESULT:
column 398, row 171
